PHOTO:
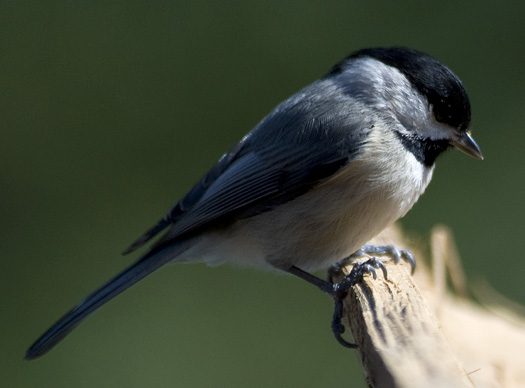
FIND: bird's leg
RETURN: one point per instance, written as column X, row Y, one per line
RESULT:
column 338, row 291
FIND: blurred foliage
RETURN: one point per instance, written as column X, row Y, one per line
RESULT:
column 111, row 110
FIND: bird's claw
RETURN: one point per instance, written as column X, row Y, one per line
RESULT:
column 373, row 251
column 359, row 270
column 340, row 291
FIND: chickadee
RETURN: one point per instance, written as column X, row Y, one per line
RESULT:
column 326, row 171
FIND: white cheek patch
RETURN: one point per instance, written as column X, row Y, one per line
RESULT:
column 435, row 130
column 388, row 91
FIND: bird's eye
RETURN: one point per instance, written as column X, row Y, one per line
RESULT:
column 439, row 116
column 442, row 112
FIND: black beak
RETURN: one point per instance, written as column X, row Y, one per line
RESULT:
column 465, row 143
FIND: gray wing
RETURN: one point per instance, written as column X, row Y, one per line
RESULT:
column 302, row 142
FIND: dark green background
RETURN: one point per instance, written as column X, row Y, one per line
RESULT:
column 111, row 110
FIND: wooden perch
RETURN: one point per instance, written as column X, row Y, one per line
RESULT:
column 399, row 339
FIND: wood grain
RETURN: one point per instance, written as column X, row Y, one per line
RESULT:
column 399, row 339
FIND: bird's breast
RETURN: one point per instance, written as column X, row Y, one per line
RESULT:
column 347, row 210
column 332, row 220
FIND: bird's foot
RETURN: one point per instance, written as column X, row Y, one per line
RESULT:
column 340, row 289
column 373, row 251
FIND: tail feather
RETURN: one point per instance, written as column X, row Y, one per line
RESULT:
column 140, row 269
column 148, row 235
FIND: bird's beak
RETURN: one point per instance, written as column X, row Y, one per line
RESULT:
column 465, row 143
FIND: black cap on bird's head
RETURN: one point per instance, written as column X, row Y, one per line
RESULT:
column 442, row 88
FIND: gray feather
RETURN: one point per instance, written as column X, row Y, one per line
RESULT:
column 305, row 140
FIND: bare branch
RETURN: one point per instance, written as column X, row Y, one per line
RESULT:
column 399, row 339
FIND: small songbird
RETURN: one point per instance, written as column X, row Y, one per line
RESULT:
column 326, row 171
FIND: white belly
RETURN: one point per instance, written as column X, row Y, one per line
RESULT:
column 326, row 224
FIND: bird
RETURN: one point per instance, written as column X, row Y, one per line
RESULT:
column 323, row 173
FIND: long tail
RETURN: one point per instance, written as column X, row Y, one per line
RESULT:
column 141, row 268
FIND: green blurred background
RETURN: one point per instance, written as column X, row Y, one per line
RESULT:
column 112, row 110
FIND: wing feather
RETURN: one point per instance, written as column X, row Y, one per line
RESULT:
column 302, row 142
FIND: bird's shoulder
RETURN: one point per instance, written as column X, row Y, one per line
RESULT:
column 304, row 140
